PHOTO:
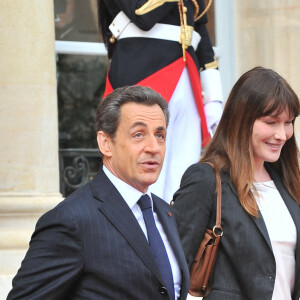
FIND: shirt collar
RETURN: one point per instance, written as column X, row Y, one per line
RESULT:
column 129, row 193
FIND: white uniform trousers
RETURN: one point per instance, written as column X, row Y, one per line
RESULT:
column 183, row 143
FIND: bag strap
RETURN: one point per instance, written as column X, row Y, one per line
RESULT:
column 218, row 230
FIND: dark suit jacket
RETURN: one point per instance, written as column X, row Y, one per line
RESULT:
column 91, row 247
column 245, row 265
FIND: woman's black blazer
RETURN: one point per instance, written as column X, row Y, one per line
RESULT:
column 245, row 267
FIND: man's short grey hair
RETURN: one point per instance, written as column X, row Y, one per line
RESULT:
column 109, row 109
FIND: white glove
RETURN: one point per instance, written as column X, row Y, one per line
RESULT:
column 213, row 112
column 212, row 98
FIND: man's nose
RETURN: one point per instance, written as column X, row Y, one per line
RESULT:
column 152, row 144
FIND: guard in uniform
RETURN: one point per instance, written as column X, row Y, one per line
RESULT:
column 164, row 44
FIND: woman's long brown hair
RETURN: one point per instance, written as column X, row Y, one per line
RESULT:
column 259, row 92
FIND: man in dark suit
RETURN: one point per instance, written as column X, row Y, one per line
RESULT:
column 94, row 244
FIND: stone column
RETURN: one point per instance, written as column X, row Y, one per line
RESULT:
column 29, row 173
column 267, row 34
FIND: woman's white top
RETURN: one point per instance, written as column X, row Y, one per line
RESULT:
column 283, row 236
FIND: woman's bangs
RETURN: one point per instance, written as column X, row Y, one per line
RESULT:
column 279, row 102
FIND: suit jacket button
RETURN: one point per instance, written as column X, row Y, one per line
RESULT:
column 163, row 290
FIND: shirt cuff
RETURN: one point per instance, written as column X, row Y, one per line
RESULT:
column 211, row 85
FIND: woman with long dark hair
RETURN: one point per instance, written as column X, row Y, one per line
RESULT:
column 255, row 151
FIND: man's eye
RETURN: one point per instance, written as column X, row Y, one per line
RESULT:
column 138, row 135
column 160, row 136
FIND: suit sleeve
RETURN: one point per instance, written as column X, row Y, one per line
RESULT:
column 204, row 52
column 194, row 203
column 53, row 262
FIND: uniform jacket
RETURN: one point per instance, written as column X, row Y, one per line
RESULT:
column 245, row 266
column 134, row 59
column 91, row 247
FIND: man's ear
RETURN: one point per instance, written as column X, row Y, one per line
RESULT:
column 104, row 143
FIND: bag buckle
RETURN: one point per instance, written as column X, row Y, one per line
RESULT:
column 217, row 231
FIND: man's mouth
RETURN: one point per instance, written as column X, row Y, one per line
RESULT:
column 150, row 164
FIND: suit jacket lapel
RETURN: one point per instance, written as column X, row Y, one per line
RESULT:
column 258, row 221
column 294, row 211
column 168, row 222
column 116, row 210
